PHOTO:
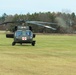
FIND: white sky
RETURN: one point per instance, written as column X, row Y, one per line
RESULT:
column 31, row 6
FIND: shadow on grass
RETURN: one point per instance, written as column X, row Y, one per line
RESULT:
column 15, row 45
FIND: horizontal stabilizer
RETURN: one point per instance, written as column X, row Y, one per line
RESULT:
column 9, row 35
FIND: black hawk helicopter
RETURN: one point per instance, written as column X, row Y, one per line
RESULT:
column 23, row 33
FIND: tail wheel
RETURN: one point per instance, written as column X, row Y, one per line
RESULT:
column 33, row 43
column 13, row 43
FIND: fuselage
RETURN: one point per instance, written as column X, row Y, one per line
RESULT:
column 23, row 36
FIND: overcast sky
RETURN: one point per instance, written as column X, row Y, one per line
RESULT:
column 31, row 6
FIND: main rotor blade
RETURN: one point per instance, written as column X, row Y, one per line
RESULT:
column 22, row 21
column 39, row 23
column 35, row 23
column 42, row 22
column 5, row 23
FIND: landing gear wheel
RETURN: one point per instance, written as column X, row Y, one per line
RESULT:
column 33, row 43
column 13, row 43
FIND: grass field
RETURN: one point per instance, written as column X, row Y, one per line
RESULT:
column 52, row 55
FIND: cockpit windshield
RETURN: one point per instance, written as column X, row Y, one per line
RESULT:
column 23, row 33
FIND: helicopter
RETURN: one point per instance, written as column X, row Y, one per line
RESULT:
column 23, row 33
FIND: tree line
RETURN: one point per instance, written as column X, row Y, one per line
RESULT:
column 66, row 23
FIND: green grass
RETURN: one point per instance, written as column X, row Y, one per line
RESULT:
column 52, row 55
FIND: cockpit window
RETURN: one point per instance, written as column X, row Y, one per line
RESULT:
column 18, row 33
column 28, row 33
